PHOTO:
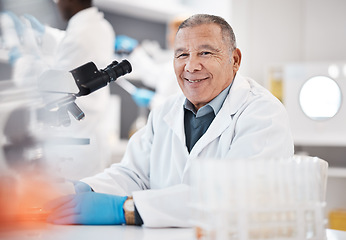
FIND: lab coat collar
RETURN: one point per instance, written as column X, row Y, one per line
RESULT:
column 238, row 94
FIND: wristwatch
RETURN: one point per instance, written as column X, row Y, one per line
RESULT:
column 129, row 209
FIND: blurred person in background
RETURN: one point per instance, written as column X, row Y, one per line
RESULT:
column 88, row 37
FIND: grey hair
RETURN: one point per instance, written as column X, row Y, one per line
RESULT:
column 200, row 19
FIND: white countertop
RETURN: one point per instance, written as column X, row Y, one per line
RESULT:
column 80, row 232
column 56, row 232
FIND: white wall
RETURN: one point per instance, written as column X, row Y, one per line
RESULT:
column 281, row 31
column 325, row 36
column 217, row 7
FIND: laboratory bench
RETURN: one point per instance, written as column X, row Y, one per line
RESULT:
column 64, row 232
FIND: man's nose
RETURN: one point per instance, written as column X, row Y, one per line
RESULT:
column 193, row 64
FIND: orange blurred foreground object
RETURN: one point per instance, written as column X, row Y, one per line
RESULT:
column 23, row 197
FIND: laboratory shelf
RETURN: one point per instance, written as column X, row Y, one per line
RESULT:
column 333, row 140
column 337, row 172
column 154, row 10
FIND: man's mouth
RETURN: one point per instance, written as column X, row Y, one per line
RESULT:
column 195, row 81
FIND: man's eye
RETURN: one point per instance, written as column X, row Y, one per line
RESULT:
column 182, row 55
column 205, row 53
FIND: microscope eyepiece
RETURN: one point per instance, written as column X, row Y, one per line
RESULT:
column 89, row 79
column 115, row 69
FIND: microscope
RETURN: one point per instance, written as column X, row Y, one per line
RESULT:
column 26, row 114
column 87, row 78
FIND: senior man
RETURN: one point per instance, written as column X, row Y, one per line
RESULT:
column 220, row 115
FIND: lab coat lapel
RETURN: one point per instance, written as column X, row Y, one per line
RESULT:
column 175, row 119
column 233, row 102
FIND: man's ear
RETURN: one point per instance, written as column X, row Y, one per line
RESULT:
column 236, row 59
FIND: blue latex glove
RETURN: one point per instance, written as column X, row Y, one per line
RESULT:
column 88, row 208
column 125, row 43
column 17, row 23
column 80, row 187
column 142, row 97
column 13, row 55
column 35, row 24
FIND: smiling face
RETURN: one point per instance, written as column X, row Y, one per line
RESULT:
column 203, row 62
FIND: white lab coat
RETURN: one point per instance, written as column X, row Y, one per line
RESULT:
column 88, row 37
column 251, row 124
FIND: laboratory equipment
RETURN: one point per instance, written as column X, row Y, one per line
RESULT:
column 82, row 81
column 313, row 95
column 30, row 123
column 89, row 79
column 26, row 182
column 259, row 198
column 320, row 98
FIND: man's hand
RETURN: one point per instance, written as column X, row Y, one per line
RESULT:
column 80, row 186
column 87, row 208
